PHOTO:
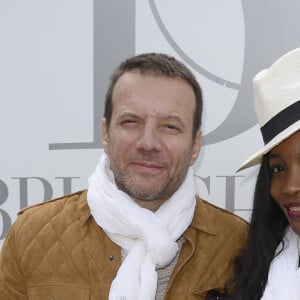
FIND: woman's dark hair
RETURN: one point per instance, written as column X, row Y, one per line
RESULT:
column 267, row 228
column 157, row 64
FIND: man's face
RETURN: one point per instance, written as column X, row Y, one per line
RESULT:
column 149, row 141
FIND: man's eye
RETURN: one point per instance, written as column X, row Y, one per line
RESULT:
column 129, row 122
column 171, row 127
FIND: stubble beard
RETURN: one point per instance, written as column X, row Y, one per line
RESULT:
column 148, row 192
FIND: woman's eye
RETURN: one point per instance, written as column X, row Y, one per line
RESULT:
column 277, row 169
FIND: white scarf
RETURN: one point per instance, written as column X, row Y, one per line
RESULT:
column 149, row 237
column 284, row 274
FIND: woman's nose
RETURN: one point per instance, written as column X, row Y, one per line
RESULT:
column 292, row 182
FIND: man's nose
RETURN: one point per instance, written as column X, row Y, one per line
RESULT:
column 149, row 139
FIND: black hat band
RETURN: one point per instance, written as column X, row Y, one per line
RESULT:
column 281, row 121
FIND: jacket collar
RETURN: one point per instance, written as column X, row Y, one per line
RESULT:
column 83, row 210
column 203, row 219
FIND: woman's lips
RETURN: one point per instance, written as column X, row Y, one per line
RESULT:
column 293, row 210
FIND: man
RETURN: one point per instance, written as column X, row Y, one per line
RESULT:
column 139, row 232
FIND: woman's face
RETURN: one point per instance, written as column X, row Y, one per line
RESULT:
column 284, row 163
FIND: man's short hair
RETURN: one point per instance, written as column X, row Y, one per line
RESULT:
column 158, row 64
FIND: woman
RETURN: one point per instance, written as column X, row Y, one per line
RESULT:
column 268, row 267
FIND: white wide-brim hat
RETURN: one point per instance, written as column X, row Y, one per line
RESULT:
column 277, row 103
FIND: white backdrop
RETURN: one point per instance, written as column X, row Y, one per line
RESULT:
column 56, row 57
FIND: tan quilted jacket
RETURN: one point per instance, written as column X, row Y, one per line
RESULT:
column 55, row 251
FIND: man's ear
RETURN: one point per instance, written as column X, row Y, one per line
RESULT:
column 104, row 135
column 196, row 147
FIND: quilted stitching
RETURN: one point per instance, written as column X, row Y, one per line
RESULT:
column 65, row 250
column 58, row 254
